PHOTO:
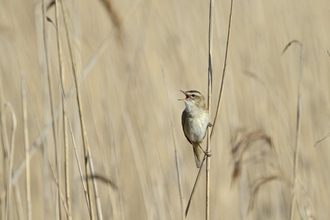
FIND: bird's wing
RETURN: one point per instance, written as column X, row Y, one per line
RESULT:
column 184, row 115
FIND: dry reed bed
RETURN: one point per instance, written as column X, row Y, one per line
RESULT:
column 130, row 114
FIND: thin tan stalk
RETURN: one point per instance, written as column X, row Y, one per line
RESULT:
column 60, row 60
column 175, row 150
column 194, row 187
column 296, row 148
column 18, row 200
column 26, row 144
column 82, row 123
column 47, row 157
column 66, row 147
column 11, row 151
column 98, row 201
column 4, row 169
column 295, row 161
column 97, row 198
column 75, row 147
column 91, row 167
column 61, row 198
column 224, row 67
column 66, row 160
column 91, row 62
column 47, row 62
column 208, row 146
column 209, row 129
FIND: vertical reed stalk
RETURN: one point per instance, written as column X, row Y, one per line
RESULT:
column 82, row 123
column 27, row 156
column 66, row 147
column 208, row 148
column 47, row 64
column 297, row 146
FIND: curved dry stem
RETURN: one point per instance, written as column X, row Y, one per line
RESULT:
column 290, row 43
column 296, row 148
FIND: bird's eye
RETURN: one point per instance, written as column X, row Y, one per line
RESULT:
column 193, row 95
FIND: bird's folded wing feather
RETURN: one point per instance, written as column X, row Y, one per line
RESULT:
column 184, row 115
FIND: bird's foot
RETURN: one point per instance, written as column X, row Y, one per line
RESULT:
column 208, row 154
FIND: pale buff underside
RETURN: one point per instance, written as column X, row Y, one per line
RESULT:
column 195, row 130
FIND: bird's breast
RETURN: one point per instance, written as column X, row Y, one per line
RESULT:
column 197, row 127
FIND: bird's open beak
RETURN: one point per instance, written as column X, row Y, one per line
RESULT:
column 185, row 95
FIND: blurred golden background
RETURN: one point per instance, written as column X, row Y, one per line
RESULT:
column 132, row 58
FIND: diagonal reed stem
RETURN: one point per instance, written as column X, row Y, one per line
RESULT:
column 224, row 67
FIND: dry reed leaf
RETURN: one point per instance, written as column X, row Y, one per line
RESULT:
column 255, row 77
column 50, row 4
column 110, row 10
column 104, row 179
column 319, row 141
column 289, row 44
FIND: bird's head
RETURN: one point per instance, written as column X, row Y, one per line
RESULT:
column 194, row 98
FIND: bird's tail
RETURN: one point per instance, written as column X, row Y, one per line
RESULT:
column 199, row 154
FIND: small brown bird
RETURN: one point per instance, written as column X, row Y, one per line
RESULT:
column 195, row 119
